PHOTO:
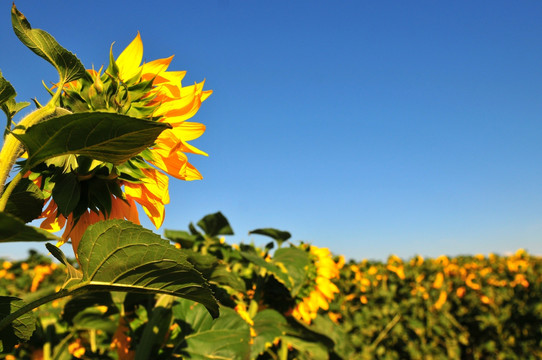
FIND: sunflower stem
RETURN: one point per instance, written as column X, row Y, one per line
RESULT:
column 13, row 148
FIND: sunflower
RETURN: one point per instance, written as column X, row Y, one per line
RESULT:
column 323, row 291
column 147, row 91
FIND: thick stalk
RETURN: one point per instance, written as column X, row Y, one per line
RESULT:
column 13, row 148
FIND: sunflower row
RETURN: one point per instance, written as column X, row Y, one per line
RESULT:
column 460, row 307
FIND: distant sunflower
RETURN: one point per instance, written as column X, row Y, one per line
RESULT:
column 323, row 291
column 146, row 91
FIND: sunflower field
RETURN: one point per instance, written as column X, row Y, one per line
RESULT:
column 76, row 172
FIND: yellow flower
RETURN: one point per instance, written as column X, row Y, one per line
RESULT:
column 324, row 290
column 76, row 349
column 162, row 99
column 40, row 272
column 439, row 280
column 399, row 270
column 441, row 300
column 469, row 282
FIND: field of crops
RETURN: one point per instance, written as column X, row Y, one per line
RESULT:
column 293, row 301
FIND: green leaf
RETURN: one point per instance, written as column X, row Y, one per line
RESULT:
column 92, row 318
column 14, row 229
column 117, row 255
column 108, row 137
column 272, row 268
column 44, row 45
column 289, row 266
column 26, row 201
column 182, row 237
column 215, row 271
column 156, row 329
column 268, row 325
column 215, row 224
column 296, row 262
column 278, row 235
column 20, row 329
column 7, row 91
column 227, row 337
column 79, row 303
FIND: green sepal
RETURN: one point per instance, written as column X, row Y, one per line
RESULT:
column 66, row 193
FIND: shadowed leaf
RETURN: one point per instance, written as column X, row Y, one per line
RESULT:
column 108, row 137
column 14, row 229
column 20, row 329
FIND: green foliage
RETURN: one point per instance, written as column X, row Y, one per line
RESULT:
column 14, row 229
column 107, row 137
column 44, row 45
column 20, row 330
column 118, row 255
column 26, row 201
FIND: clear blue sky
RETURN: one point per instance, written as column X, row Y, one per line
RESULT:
column 369, row 127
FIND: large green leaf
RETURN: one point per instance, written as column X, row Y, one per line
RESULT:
column 43, row 44
column 155, row 329
column 268, row 325
column 227, row 337
column 279, row 273
column 215, row 271
column 215, row 224
column 20, row 329
column 289, row 266
column 26, row 201
column 117, row 255
column 108, row 137
column 14, row 229
column 296, row 262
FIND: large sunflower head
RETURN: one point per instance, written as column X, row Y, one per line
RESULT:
column 100, row 190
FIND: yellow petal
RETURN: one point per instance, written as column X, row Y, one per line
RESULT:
column 130, row 59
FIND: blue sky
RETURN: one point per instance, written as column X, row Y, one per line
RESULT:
column 367, row 127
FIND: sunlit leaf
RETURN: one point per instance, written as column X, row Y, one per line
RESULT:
column 215, row 224
column 268, row 325
column 278, row 235
column 118, row 255
column 227, row 337
column 44, row 45
column 7, row 91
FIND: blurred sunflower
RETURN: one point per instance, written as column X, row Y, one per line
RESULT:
column 324, row 290
column 100, row 190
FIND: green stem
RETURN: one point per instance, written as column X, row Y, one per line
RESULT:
column 32, row 305
column 385, row 332
column 283, row 350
